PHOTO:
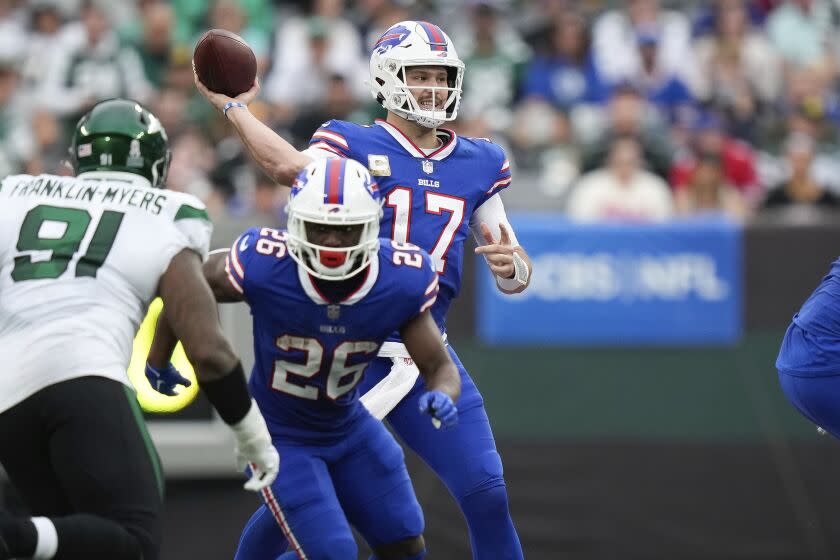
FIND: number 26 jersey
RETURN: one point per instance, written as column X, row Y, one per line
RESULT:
column 310, row 353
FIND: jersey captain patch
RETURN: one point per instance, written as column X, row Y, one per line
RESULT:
column 378, row 165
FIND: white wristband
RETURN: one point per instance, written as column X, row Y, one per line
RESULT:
column 251, row 426
column 521, row 274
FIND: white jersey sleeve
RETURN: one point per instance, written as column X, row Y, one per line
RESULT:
column 80, row 261
column 192, row 225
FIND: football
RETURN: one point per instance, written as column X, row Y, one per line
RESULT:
column 224, row 62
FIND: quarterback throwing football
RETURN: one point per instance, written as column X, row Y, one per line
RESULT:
column 437, row 188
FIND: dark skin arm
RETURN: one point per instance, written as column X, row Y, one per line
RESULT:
column 423, row 341
column 191, row 317
column 163, row 343
column 165, row 340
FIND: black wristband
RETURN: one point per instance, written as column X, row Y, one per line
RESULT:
column 229, row 395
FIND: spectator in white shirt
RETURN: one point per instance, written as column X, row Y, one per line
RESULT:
column 623, row 191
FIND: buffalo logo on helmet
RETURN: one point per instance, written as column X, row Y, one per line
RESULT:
column 299, row 182
column 391, row 38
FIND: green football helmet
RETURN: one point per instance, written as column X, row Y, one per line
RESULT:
column 121, row 135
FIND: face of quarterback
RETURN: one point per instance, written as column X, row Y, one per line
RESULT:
column 419, row 77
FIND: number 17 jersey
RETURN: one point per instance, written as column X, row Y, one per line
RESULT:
column 80, row 260
column 429, row 196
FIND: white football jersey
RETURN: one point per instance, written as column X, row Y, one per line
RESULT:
column 80, row 260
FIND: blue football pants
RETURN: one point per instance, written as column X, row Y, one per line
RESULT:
column 464, row 457
column 816, row 398
column 362, row 478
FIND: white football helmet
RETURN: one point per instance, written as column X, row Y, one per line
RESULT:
column 415, row 43
column 336, row 192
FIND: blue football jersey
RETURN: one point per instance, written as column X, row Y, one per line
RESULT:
column 429, row 198
column 815, row 346
column 310, row 353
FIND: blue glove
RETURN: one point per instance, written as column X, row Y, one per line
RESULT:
column 164, row 381
column 440, row 406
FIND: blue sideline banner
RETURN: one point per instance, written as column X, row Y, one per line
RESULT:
column 617, row 284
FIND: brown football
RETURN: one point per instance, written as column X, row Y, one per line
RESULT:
column 224, row 62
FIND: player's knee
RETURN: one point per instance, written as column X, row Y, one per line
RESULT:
column 477, row 474
column 406, row 549
column 487, row 503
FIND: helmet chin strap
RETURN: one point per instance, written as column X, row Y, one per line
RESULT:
column 426, row 122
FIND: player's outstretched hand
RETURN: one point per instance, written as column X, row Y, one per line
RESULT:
column 219, row 100
column 165, row 380
column 499, row 254
column 440, row 406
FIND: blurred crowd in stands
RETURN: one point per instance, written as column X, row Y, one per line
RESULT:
column 635, row 111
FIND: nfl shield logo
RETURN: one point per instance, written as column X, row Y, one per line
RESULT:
column 333, row 312
column 428, row 166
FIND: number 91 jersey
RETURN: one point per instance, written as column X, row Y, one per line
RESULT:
column 310, row 353
column 429, row 196
column 80, row 260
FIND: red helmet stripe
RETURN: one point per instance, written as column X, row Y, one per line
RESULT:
column 335, row 180
column 436, row 38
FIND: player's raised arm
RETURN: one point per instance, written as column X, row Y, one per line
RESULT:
column 191, row 311
column 279, row 159
column 443, row 383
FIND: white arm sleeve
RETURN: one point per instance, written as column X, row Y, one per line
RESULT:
column 492, row 213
